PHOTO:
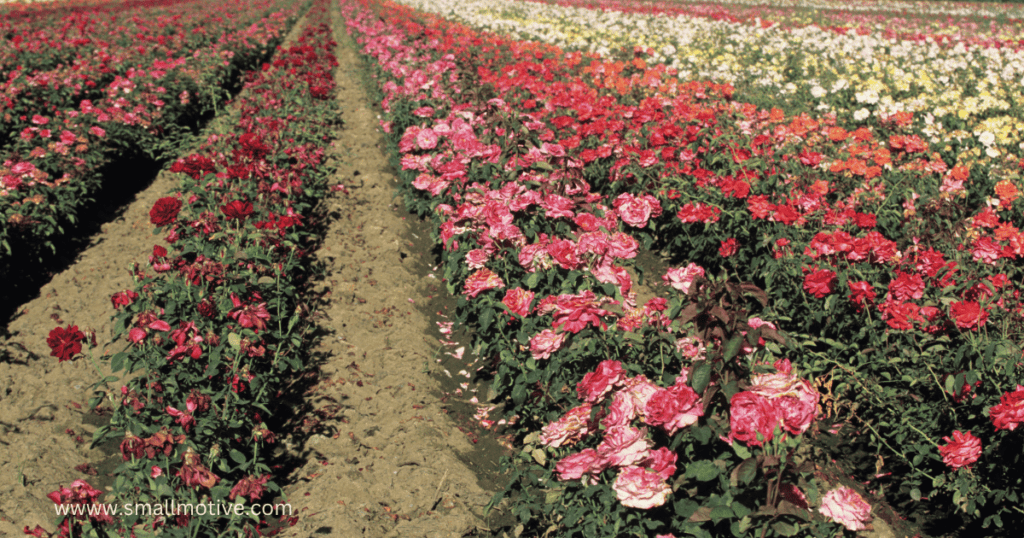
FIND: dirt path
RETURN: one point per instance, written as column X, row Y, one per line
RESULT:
column 394, row 465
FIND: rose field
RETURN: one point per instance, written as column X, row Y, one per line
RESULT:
column 403, row 268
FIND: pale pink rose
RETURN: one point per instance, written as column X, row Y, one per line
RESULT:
column 798, row 412
column 155, row 472
column 518, row 301
column 582, row 464
column 569, row 429
column 661, row 461
column 673, row 408
column 637, row 487
column 961, row 451
column 640, row 390
column 795, row 399
column 636, row 211
column 846, row 507
column 597, row 384
column 482, row 280
column 476, row 258
column 546, row 342
column 624, row 445
column 691, row 348
column 681, row 279
column 426, row 139
column 621, row 412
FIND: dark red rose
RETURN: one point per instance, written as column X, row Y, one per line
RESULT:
column 164, row 211
column 65, row 343
column 237, row 210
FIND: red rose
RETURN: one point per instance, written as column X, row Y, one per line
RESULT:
column 65, row 343
column 820, row 283
column 963, row 450
column 968, row 314
column 751, row 414
column 1009, row 412
column 862, row 294
column 728, row 248
column 164, row 211
column 237, row 210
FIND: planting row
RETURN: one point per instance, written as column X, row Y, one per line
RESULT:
column 216, row 326
column 625, row 407
column 54, row 163
column 49, row 67
column 963, row 91
column 887, row 266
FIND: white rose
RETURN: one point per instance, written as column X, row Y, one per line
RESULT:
column 861, row 114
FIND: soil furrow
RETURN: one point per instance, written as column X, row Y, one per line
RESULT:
column 390, row 460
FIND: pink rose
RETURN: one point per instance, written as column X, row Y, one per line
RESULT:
column 961, row 451
column 624, row 445
column 546, row 342
column 1009, row 412
column 681, row 279
column 621, row 412
column 673, row 408
column 661, row 461
column 845, row 507
column 597, row 384
column 426, row 139
column 569, row 429
column 636, row 211
column 798, row 412
column 136, row 335
column 476, row 258
column 637, row 487
column 640, row 390
column 518, row 301
column 482, row 280
column 576, row 466
column 751, row 414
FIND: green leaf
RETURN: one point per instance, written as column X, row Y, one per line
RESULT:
column 732, row 348
column 915, row 494
column 785, row 529
column 701, row 376
column 744, row 472
column 117, row 362
column 719, row 513
column 237, row 456
column 235, row 341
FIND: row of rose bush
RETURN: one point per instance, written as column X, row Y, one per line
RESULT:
column 671, row 416
column 895, row 258
column 797, row 205
column 216, row 325
column 54, row 165
column 41, row 38
column 99, row 47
